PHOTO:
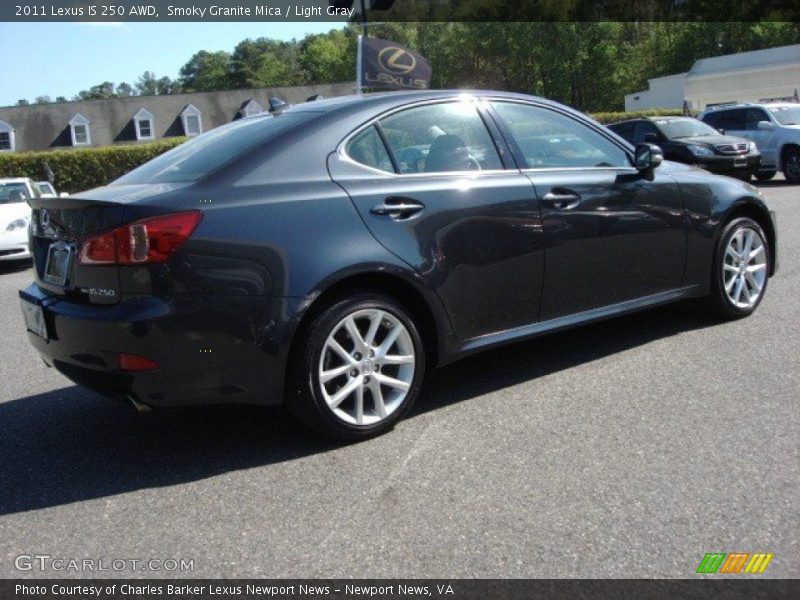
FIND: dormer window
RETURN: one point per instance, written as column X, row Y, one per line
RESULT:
column 79, row 129
column 6, row 137
column 192, row 120
column 143, row 122
column 250, row 108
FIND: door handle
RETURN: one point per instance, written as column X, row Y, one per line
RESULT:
column 397, row 208
column 562, row 200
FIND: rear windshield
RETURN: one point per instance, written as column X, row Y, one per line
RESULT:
column 208, row 152
column 11, row 193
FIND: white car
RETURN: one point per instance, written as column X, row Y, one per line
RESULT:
column 15, row 217
column 46, row 189
column 773, row 126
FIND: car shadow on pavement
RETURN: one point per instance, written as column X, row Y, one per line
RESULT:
column 14, row 266
column 70, row 444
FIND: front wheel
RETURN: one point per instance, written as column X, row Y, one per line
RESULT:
column 741, row 269
column 765, row 175
column 791, row 165
column 358, row 367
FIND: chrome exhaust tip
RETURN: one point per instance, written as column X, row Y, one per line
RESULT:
column 140, row 407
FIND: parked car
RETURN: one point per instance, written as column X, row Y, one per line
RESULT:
column 46, row 189
column 774, row 127
column 15, row 216
column 687, row 140
column 293, row 258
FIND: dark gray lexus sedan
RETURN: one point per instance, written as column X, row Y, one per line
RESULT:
column 328, row 256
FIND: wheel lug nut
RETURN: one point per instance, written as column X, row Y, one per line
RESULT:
column 354, row 373
column 366, row 379
column 371, row 353
column 377, row 368
column 357, row 356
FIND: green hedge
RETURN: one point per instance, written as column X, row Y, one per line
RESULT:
column 606, row 118
column 83, row 169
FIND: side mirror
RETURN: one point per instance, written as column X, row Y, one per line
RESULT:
column 766, row 126
column 64, row 195
column 651, row 138
column 647, row 157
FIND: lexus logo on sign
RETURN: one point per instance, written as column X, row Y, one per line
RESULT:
column 397, row 60
column 386, row 64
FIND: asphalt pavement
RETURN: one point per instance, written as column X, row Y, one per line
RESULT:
column 629, row 448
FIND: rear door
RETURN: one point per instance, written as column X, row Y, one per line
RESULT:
column 611, row 234
column 765, row 139
column 431, row 184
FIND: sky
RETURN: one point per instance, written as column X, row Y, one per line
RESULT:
column 61, row 59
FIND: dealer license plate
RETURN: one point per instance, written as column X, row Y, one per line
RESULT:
column 34, row 318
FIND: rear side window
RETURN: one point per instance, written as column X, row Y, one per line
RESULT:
column 729, row 120
column 754, row 115
column 624, row 130
column 368, row 149
column 641, row 130
column 440, row 137
column 551, row 140
column 210, row 151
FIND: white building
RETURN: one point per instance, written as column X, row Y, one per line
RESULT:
column 771, row 74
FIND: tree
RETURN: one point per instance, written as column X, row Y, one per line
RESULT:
column 265, row 63
column 329, row 57
column 125, row 89
column 147, row 84
column 61, row 99
column 206, row 71
column 42, row 100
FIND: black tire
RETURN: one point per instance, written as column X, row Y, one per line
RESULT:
column 765, row 175
column 746, row 177
column 791, row 165
column 718, row 302
column 304, row 398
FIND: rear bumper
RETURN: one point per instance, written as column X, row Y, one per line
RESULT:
column 216, row 349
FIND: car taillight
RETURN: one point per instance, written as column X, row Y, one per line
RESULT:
column 150, row 240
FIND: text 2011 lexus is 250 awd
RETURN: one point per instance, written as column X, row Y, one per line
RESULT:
column 328, row 256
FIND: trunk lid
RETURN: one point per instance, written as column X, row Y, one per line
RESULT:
column 60, row 225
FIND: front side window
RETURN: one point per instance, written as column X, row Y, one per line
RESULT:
column 551, row 140
column 440, row 138
column 641, row 130
column 13, row 193
column 368, row 149
column 754, row 115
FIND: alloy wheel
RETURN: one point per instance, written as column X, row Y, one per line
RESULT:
column 791, row 166
column 744, row 269
column 366, row 367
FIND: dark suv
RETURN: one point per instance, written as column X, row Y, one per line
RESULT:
column 687, row 140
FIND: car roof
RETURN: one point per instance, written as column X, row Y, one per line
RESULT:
column 14, row 179
column 388, row 100
column 732, row 105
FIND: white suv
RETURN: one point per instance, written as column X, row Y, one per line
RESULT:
column 773, row 126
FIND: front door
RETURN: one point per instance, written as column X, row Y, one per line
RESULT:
column 611, row 234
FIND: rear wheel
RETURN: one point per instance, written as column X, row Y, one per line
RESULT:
column 791, row 165
column 741, row 269
column 358, row 367
column 765, row 175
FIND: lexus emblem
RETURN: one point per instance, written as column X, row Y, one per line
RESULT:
column 397, row 60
